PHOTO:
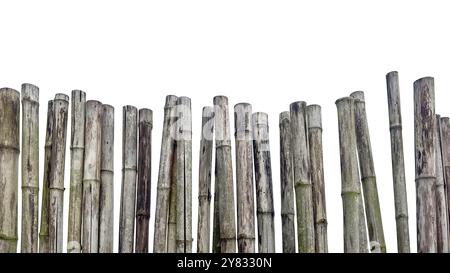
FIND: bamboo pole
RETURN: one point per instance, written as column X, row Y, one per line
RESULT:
column 204, row 181
column 424, row 138
column 9, row 164
column 398, row 162
column 91, row 176
column 263, row 181
column 349, row 174
column 172, row 225
column 216, row 220
column 302, row 182
column 57, row 166
column 244, row 178
column 30, row 168
column 129, row 175
column 78, row 116
column 287, row 184
column 314, row 121
column 224, row 177
column 43, row 229
column 106, row 225
column 363, row 242
column 445, row 142
column 144, row 180
column 164, row 177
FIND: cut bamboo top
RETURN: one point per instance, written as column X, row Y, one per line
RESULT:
column 78, row 119
column 358, row 96
column 146, row 115
column 107, row 138
column 94, row 111
column 394, row 106
column 9, row 135
column 184, row 117
column 129, row 142
column 242, row 126
column 63, row 97
column 171, row 100
column 222, row 132
column 30, row 92
column 314, row 116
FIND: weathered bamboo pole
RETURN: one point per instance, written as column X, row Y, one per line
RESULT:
column 30, row 168
column 43, row 229
column 216, row 220
column 302, row 182
column 57, row 166
column 204, row 181
column 78, row 116
column 106, row 225
column 314, row 121
column 164, row 177
column 424, row 138
column 349, row 174
column 224, row 177
column 263, row 181
column 287, row 184
column 91, row 176
column 244, row 178
column 9, row 168
column 398, row 162
column 172, row 225
column 129, row 175
column 144, row 180
column 363, row 242
column 445, row 142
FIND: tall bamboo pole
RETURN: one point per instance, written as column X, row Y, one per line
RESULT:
column 57, row 164
column 224, row 177
column 106, row 225
column 204, row 181
column 398, row 162
column 287, row 184
column 78, row 116
column 349, row 173
column 30, row 168
column 164, row 177
column 129, row 175
column 302, row 182
column 91, row 176
column 263, row 181
column 314, row 121
column 425, row 158
column 144, row 180
column 9, row 164
column 445, row 142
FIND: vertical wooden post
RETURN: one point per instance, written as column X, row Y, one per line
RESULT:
column 425, row 158
column 445, row 142
column 30, row 168
column 144, row 180
column 398, row 162
column 9, row 168
column 302, row 182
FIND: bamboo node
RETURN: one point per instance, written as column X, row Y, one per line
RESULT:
column 395, row 126
column 5, row 237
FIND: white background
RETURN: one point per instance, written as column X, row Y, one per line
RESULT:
column 267, row 53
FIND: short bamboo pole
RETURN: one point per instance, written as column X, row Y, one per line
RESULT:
column 425, row 158
column 314, row 121
column 172, row 225
column 78, row 116
column 129, row 175
column 302, row 182
column 224, row 177
column 445, row 142
column 106, row 225
column 263, row 181
column 57, row 166
column 398, row 162
column 144, row 180
column 287, row 184
column 91, row 176
column 30, row 168
column 204, row 181
column 9, row 168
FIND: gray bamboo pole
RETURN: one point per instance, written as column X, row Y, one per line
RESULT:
column 224, row 177
column 216, row 220
column 204, row 181
column 445, row 142
column 91, row 176
column 363, row 244
column 287, row 184
column 129, row 175
column 9, row 164
column 30, row 168
column 398, row 162
column 164, row 178
column 314, row 121
column 302, row 182
column 424, row 138
column 263, row 181
column 57, row 164
column 144, row 180
column 172, row 225
column 43, row 229
column 78, row 115
column 106, row 225
column 349, row 174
